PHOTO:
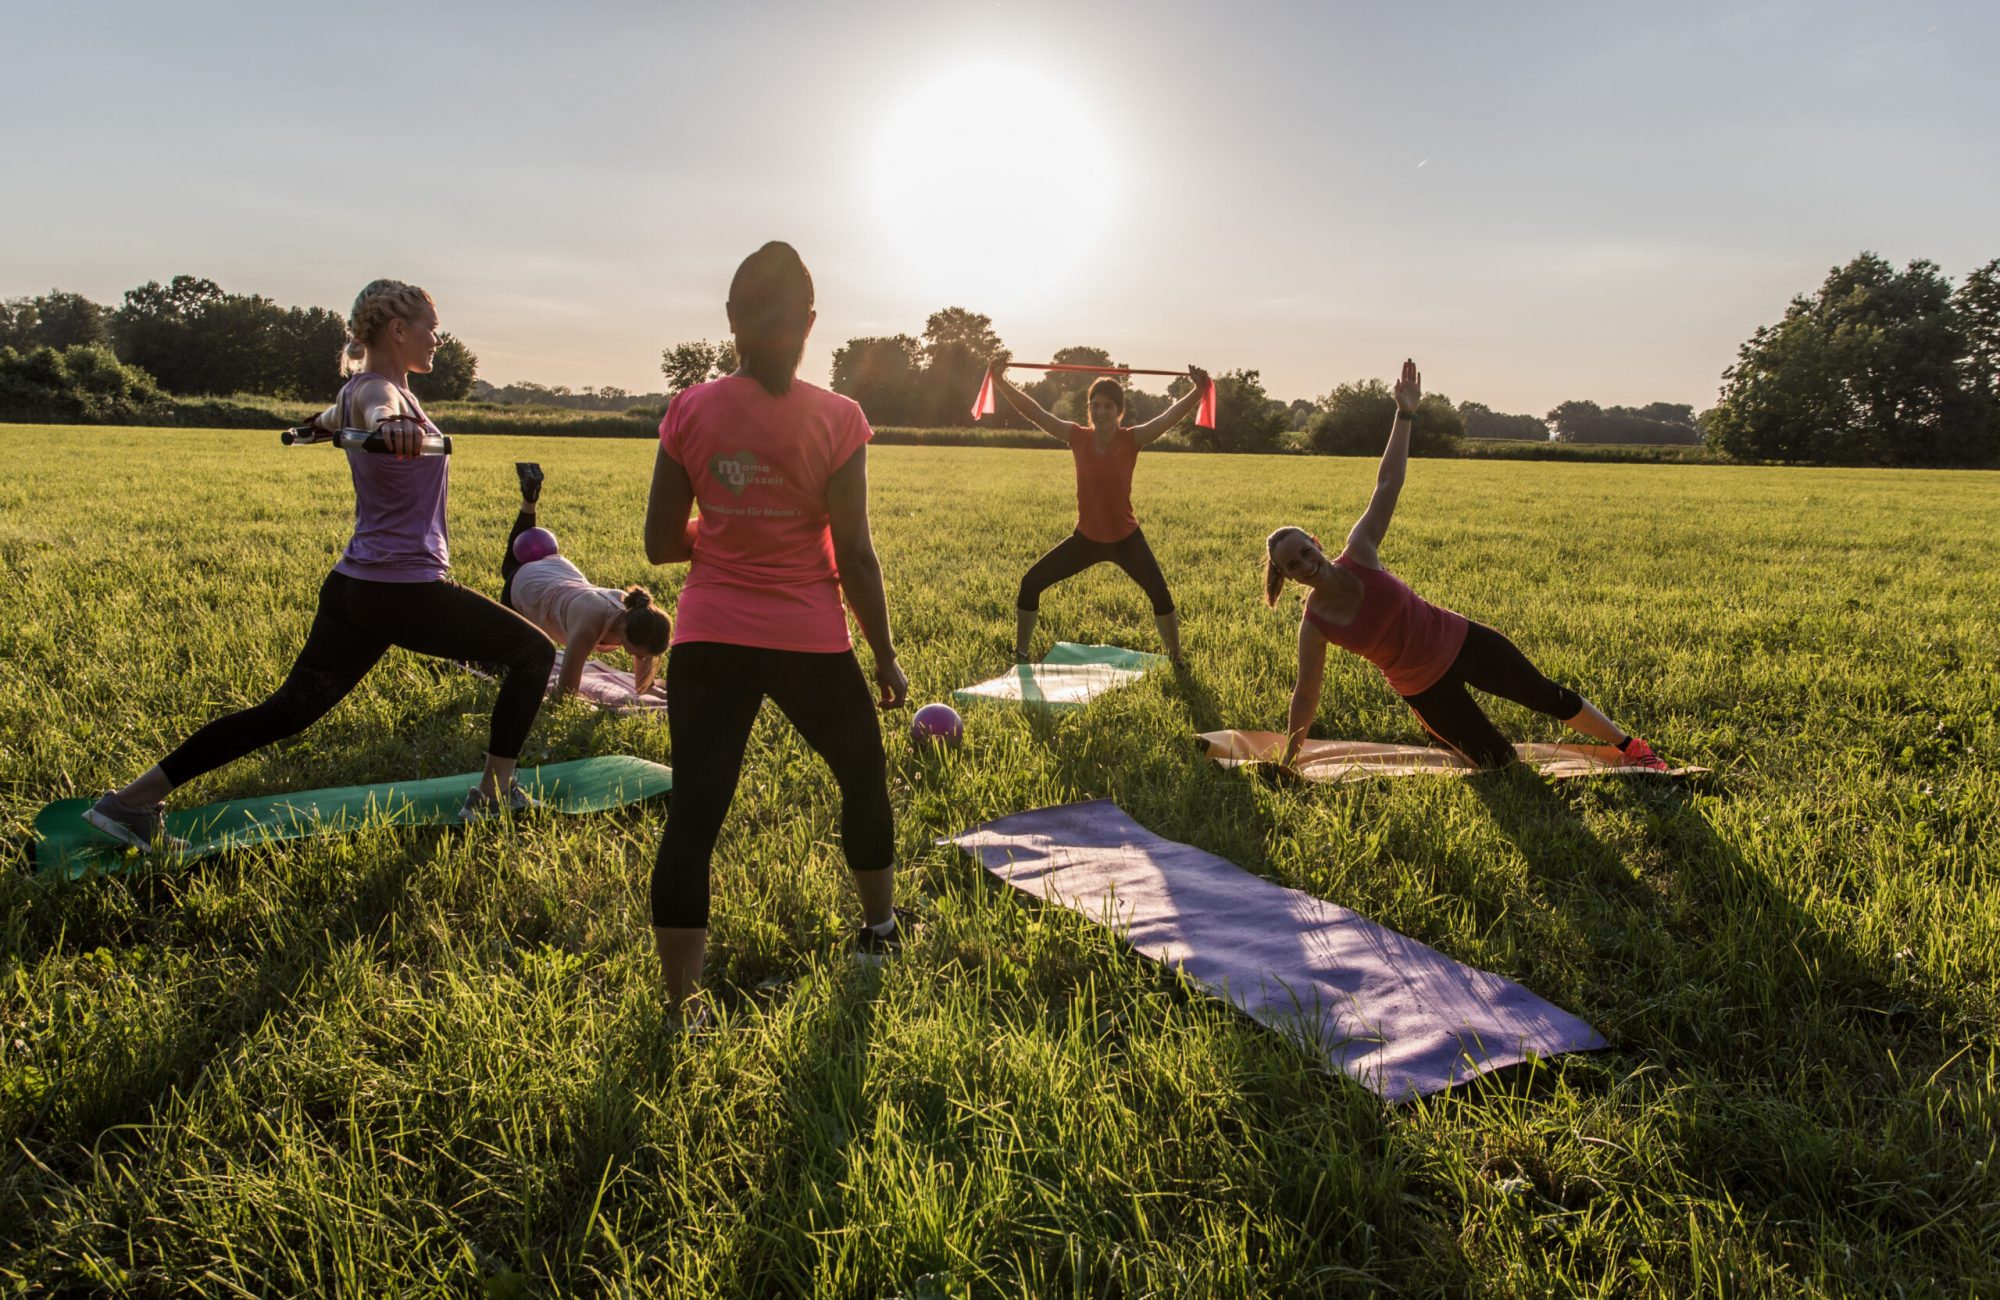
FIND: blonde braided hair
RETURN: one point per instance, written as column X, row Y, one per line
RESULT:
column 374, row 307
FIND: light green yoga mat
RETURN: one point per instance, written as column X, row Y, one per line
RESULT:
column 65, row 843
column 1071, row 676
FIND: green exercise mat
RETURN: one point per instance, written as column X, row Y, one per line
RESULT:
column 65, row 843
column 1071, row 676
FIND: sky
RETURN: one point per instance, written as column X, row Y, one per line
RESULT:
column 1539, row 202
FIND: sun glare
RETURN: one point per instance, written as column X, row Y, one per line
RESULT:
column 994, row 181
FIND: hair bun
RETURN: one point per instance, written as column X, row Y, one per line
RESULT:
column 638, row 598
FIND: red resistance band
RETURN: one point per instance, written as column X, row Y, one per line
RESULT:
column 1204, row 415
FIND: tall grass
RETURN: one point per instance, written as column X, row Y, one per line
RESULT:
column 432, row 1062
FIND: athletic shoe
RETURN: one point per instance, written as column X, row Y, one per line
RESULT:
column 1640, row 754
column 872, row 947
column 480, row 806
column 530, row 475
column 140, row 828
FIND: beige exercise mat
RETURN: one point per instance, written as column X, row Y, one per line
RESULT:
column 1359, row 760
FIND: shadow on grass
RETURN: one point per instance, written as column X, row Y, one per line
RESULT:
column 1806, row 1082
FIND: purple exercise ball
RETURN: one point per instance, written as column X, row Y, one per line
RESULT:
column 937, row 724
column 535, row 544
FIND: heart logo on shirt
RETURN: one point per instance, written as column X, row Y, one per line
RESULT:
column 736, row 472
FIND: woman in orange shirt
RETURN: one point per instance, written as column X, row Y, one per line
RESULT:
column 1106, row 529
column 1427, row 653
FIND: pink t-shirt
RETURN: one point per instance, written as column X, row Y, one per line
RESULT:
column 1411, row 641
column 763, row 571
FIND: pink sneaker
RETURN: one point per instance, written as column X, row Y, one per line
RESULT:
column 1640, row 754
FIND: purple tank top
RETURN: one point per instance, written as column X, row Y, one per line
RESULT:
column 399, row 529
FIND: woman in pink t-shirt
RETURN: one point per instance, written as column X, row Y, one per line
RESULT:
column 779, row 469
column 1428, row 654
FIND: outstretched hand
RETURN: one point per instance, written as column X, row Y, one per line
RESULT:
column 1199, row 377
column 1409, row 389
column 997, row 363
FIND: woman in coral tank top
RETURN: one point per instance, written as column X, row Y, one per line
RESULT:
column 1106, row 529
column 1427, row 653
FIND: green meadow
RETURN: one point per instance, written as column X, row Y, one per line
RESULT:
column 432, row 1061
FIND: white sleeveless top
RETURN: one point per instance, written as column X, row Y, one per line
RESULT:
column 547, row 591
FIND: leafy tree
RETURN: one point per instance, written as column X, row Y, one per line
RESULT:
column 307, row 350
column 1244, row 418
column 54, row 320
column 1482, row 421
column 885, row 375
column 1978, row 304
column 1299, row 413
column 1654, row 424
column 453, row 369
column 957, row 345
column 82, row 384
column 1877, row 368
column 696, row 362
column 1055, row 384
column 1354, row 420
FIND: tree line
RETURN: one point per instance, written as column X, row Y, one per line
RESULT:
column 1880, row 366
column 63, row 356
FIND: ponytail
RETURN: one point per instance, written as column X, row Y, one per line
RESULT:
column 374, row 307
column 645, row 626
column 770, row 310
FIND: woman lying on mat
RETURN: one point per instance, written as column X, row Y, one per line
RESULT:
column 1429, row 654
column 541, row 583
column 1106, row 529
column 780, row 468
column 389, row 588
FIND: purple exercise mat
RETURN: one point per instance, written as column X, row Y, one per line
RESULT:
column 1399, row 1018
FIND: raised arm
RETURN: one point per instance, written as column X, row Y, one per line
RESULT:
column 861, row 572
column 1029, row 409
column 1368, row 531
column 669, row 531
column 1305, row 692
column 1151, row 430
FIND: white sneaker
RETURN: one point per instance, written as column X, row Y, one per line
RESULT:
column 480, row 806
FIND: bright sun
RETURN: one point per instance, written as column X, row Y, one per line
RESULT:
column 992, row 181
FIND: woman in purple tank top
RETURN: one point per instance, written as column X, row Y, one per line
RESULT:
column 1427, row 653
column 389, row 588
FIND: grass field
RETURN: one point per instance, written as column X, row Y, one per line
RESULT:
column 431, row 1062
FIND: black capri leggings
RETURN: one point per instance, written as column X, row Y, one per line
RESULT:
column 356, row 624
column 1492, row 663
column 509, row 566
column 716, row 690
column 1076, row 553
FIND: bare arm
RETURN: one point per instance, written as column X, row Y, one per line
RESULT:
column 669, row 531
column 1151, row 430
column 1366, row 536
column 576, row 653
column 861, row 572
column 378, row 408
column 1305, row 692
column 644, row 669
column 1028, row 408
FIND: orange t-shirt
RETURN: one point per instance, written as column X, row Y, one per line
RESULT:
column 1104, row 484
column 1411, row 641
column 763, row 572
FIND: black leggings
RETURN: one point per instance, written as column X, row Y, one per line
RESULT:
column 1492, row 663
column 716, row 690
column 509, row 566
column 356, row 624
column 1076, row 553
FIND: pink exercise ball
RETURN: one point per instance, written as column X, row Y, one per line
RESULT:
column 937, row 724
column 535, row 544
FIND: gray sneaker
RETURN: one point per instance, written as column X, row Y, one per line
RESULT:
column 141, row 828
column 480, row 806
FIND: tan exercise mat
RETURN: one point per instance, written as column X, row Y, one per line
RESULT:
column 1358, row 760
